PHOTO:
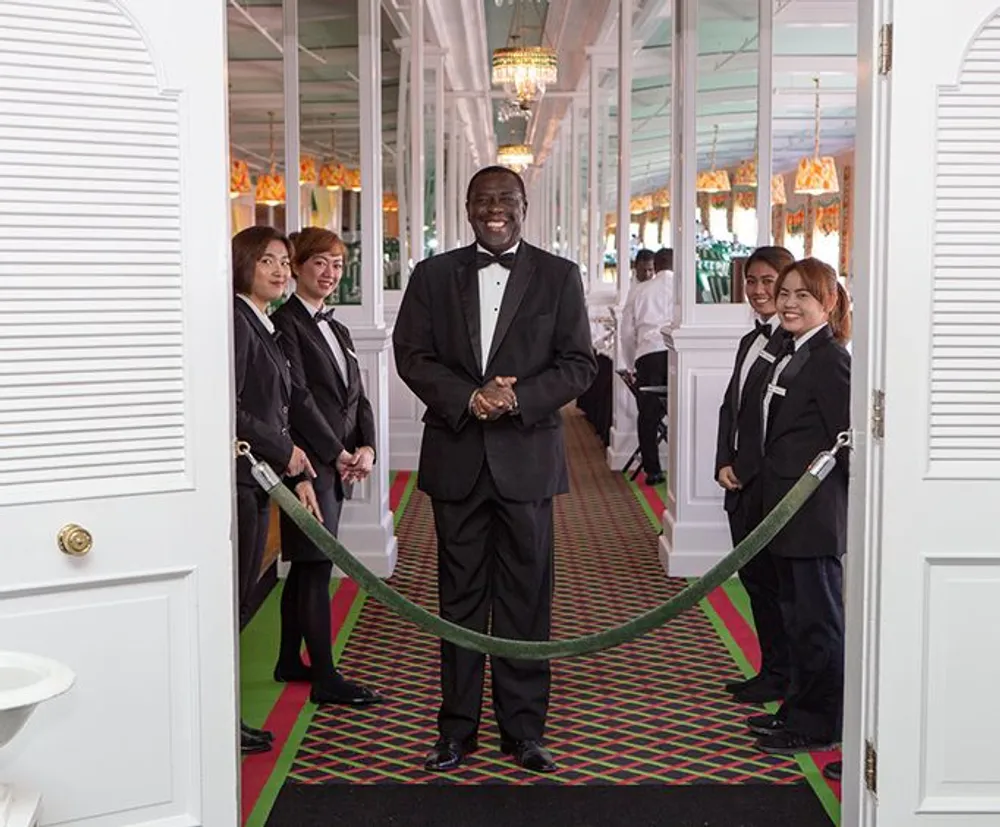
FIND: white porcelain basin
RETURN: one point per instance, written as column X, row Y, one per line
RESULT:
column 25, row 682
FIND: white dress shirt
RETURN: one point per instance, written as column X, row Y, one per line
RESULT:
column 756, row 348
column 264, row 320
column 773, row 388
column 492, row 284
column 324, row 328
column 649, row 308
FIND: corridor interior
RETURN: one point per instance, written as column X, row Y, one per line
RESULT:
column 644, row 734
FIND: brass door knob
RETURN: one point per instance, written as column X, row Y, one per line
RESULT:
column 74, row 540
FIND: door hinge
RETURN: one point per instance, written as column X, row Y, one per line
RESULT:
column 878, row 415
column 885, row 49
column 871, row 767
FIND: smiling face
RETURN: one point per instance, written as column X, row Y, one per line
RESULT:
column 759, row 284
column 270, row 274
column 800, row 310
column 496, row 210
column 319, row 276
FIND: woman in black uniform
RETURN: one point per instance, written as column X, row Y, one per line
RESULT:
column 805, row 405
column 264, row 396
column 341, row 446
column 737, row 467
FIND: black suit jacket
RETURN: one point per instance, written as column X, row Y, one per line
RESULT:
column 542, row 338
column 263, row 393
column 332, row 416
column 815, row 409
column 740, row 414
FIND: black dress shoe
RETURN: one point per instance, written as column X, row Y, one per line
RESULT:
column 833, row 770
column 448, row 753
column 292, row 673
column 530, row 755
column 252, row 745
column 761, row 692
column 736, row 686
column 765, row 724
column 788, row 742
column 253, row 732
column 653, row 479
column 339, row 691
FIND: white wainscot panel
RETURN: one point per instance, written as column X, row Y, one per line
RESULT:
column 112, row 635
column 962, row 672
column 707, row 386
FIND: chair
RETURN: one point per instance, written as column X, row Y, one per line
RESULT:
column 661, row 426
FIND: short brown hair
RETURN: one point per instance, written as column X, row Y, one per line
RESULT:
column 315, row 241
column 249, row 246
column 820, row 279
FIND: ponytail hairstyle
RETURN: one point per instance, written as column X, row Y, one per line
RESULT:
column 820, row 279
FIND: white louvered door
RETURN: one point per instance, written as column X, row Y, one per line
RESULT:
column 938, row 724
column 115, row 408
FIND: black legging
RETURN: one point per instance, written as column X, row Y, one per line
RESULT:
column 305, row 614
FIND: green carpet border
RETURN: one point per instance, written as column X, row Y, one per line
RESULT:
column 257, row 714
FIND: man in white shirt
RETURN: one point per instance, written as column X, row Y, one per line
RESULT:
column 648, row 309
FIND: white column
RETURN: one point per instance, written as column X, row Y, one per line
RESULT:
column 402, row 165
column 452, row 208
column 594, row 218
column 553, row 166
column 439, row 174
column 765, row 82
column 290, row 72
column 405, row 410
column 575, row 252
column 366, row 526
column 565, row 142
column 624, row 437
column 417, row 149
column 703, row 342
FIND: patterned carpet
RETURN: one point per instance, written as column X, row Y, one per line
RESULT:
column 652, row 711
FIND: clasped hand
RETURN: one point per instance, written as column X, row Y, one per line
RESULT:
column 357, row 466
column 495, row 398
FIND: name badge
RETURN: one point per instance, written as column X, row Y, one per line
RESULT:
column 777, row 390
column 767, row 357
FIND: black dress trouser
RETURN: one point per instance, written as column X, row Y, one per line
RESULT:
column 812, row 603
column 760, row 579
column 253, row 516
column 650, row 369
column 495, row 575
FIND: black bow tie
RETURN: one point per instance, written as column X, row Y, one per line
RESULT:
column 764, row 329
column 787, row 347
column 505, row 260
column 324, row 315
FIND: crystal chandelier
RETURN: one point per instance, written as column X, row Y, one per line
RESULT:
column 525, row 71
column 510, row 111
column 517, row 157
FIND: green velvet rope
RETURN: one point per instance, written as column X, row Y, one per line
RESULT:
column 544, row 650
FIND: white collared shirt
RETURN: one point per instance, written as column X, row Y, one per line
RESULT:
column 773, row 388
column 756, row 348
column 264, row 320
column 339, row 356
column 649, row 308
column 492, row 285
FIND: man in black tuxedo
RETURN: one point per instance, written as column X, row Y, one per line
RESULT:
column 494, row 338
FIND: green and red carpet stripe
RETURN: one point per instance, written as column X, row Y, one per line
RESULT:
column 730, row 605
column 284, row 709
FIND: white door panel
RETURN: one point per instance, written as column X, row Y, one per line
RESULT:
column 115, row 405
column 939, row 621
